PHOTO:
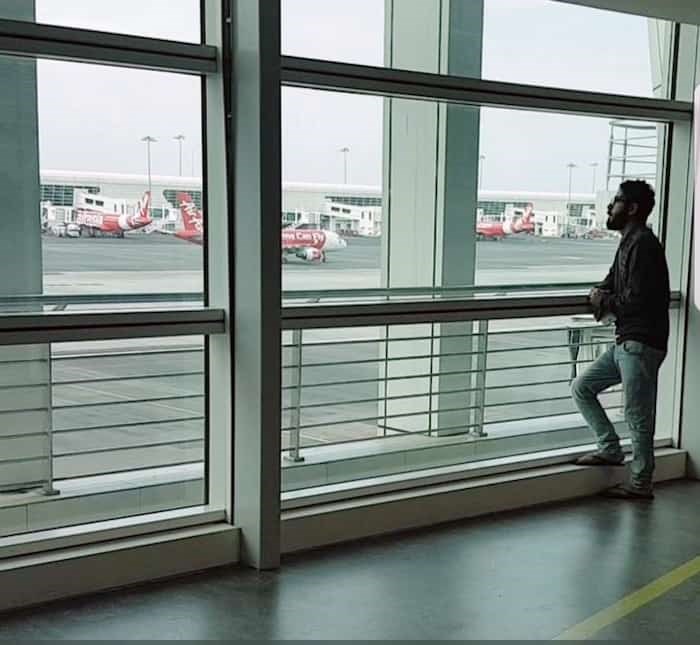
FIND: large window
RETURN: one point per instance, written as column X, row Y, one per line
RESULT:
column 104, row 332
column 402, row 190
column 116, row 428
column 427, row 209
column 538, row 42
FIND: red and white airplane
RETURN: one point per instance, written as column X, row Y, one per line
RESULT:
column 310, row 244
column 306, row 244
column 495, row 230
column 98, row 215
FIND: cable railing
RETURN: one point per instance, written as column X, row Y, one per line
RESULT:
column 89, row 394
column 480, row 375
column 115, row 413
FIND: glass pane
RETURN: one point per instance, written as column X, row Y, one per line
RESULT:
column 102, row 181
column 167, row 19
column 119, row 423
column 375, row 401
column 536, row 42
column 404, row 194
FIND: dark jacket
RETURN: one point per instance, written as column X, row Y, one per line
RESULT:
column 637, row 289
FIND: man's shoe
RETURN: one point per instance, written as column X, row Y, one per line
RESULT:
column 599, row 459
column 625, row 491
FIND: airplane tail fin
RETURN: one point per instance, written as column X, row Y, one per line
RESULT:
column 144, row 206
column 191, row 216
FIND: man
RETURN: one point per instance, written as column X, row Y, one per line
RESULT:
column 636, row 293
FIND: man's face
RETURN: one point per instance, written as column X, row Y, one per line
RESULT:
column 618, row 213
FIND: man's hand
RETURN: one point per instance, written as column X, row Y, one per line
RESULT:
column 596, row 297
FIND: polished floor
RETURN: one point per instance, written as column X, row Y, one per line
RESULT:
column 525, row 575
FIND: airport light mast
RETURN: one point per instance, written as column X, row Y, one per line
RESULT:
column 149, row 140
column 571, row 167
column 180, row 138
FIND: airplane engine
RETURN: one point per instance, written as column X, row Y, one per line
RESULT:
column 309, row 254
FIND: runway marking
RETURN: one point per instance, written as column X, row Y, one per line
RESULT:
column 632, row 602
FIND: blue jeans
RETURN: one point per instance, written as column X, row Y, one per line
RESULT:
column 636, row 366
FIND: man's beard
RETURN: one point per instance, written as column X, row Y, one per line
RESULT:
column 615, row 223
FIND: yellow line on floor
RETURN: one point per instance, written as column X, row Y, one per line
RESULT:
column 631, row 603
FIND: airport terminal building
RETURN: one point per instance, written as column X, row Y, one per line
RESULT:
column 350, row 209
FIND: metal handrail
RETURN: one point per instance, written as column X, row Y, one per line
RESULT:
column 458, row 310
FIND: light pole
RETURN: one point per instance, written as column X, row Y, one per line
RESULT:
column 149, row 140
column 482, row 160
column 345, row 151
column 593, row 165
column 180, row 138
column 571, row 167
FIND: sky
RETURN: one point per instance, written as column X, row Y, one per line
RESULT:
column 93, row 117
column 525, row 41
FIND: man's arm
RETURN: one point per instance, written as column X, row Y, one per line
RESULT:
column 596, row 294
column 643, row 282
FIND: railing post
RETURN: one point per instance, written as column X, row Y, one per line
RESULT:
column 480, row 398
column 293, row 455
column 49, row 487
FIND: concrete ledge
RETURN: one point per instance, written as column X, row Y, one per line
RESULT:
column 34, row 579
column 105, row 497
column 409, row 509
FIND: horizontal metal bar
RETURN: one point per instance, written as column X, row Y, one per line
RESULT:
column 476, row 335
column 570, row 288
column 132, row 471
column 503, row 404
column 18, row 386
column 505, row 350
column 78, row 354
column 38, row 433
column 155, row 399
column 389, row 437
column 515, row 386
column 156, row 444
column 505, row 368
column 113, row 379
column 416, row 312
column 380, row 359
column 132, row 424
column 101, row 298
column 467, row 437
column 345, row 77
column 21, row 38
column 391, row 359
column 363, row 315
column 379, row 399
column 427, row 375
column 544, row 416
column 376, row 399
column 377, row 418
column 343, row 343
column 25, row 329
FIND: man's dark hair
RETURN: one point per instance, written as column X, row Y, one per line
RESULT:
column 639, row 192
